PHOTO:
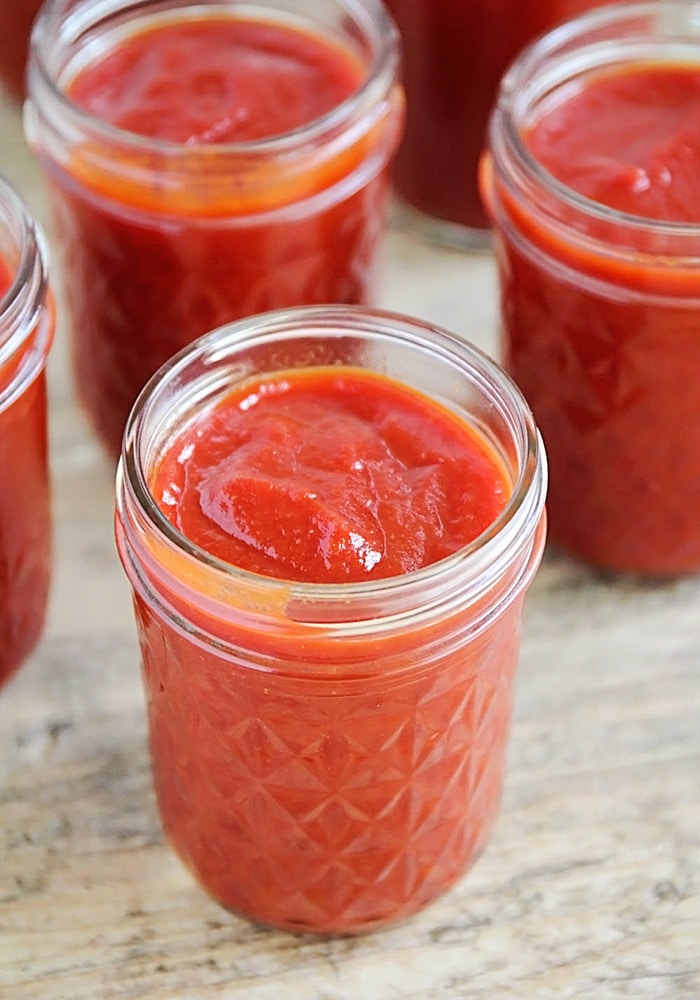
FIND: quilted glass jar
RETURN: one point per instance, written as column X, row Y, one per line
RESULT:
column 591, row 179
column 329, row 758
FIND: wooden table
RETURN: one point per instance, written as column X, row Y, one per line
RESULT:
column 589, row 888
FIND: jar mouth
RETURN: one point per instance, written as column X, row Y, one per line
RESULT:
column 24, row 298
column 48, row 39
column 462, row 576
column 617, row 35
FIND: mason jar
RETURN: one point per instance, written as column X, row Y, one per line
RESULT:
column 26, row 332
column 598, row 249
column 328, row 757
column 186, row 196
column 454, row 54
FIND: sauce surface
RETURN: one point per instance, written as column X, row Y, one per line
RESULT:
column 330, row 475
column 199, row 81
column 629, row 140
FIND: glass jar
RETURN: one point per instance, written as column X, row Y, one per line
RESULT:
column 162, row 240
column 455, row 52
column 599, row 306
column 26, row 332
column 329, row 758
column 16, row 18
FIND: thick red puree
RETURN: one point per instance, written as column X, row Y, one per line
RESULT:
column 330, row 476
column 630, row 141
column 199, row 81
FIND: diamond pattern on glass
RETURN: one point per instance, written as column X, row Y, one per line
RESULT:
column 327, row 811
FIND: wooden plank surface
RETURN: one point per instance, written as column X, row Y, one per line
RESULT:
column 589, row 888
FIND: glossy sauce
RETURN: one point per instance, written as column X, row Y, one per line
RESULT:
column 199, row 82
column 640, row 148
column 331, row 476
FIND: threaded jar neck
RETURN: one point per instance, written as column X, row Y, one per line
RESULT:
column 466, row 589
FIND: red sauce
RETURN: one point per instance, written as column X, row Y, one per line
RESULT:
column 612, row 376
column 152, row 264
column 307, row 787
column 639, row 149
column 16, row 18
column 25, row 523
column 332, row 476
column 199, row 81
column 455, row 52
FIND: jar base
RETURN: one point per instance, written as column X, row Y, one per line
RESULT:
column 344, row 926
column 438, row 232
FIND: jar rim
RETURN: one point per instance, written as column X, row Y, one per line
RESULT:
column 24, row 297
column 480, row 562
column 560, row 48
column 382, row 72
